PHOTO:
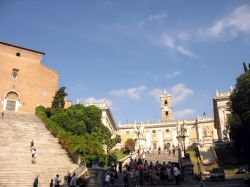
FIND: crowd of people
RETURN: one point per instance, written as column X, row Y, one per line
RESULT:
column 167, row 150
column 141, row 172
column 53, row 183
column 137, row 172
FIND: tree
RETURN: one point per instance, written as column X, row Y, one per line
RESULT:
column 239, row 120
column 58, row 100
column 129, row 145
column 117, row 139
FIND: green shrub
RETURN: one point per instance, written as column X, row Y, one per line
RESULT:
column 63, row 125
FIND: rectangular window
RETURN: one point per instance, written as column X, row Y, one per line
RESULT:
column 167, row 130
column 154, row 131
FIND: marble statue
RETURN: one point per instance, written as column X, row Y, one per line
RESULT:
column 141, row 131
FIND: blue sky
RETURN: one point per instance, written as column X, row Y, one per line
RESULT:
column 129, row 51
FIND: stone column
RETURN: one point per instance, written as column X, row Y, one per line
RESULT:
column 160, row 139
column 200, row 135
column 174, row 139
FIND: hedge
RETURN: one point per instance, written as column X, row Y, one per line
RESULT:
column 87, row 146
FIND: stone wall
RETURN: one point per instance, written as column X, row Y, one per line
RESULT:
column 33, row 83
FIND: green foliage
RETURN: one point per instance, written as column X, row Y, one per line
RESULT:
column 119, row 154
column 129, row 145
column 80, row 131
column 194, row 156
column 118, row 139
column 58, row 100
column 239, row 120
column 111, row 159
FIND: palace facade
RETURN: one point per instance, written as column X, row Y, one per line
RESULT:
column 25, row 83
column 203, row 130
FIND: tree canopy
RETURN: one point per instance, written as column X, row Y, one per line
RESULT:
column 58, row 100
column 129, row 145
column 80, row 131
column 80, row 120
column 239, row 121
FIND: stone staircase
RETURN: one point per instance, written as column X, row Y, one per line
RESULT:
column 207, row 155
column 163, row 157
column 16, row 132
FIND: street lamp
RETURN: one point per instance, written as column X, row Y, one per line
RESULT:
column 183, row 143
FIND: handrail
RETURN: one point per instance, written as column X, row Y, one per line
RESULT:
column 78, row 171
column 126, row 159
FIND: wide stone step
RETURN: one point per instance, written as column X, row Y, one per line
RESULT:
column 17, row 131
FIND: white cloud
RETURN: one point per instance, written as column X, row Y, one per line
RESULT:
column 169, row 42
column 180, row 92
column 231, row 25
column 94, row 100
column 183, row 36
column 158, row 17
column 139, row 24
column 186, row 113
column 173, row 74
column 185, row 51
column 133, row 93
column 156, row 93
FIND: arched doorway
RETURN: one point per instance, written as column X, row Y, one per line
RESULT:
column 11, row 101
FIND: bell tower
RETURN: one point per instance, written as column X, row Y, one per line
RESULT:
column 166, row 107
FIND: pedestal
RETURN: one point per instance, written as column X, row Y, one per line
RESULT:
column 95, row 176
column 140, row 144
column 208, row 140
column 188, row 171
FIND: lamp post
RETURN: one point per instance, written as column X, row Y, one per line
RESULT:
column 183, row 143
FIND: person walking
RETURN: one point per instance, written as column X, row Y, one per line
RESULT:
column 120, row 167
column 57, row 181
column 2, row 114
column 176, row 174
column 69, row 177
column 33, row 155
column 125, row 179
column 107, row 180
column 51, row 184
column 32, row 145
column 73, row 180
column 159, row 150
column 35, row 183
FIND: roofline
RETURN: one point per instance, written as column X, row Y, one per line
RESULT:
column 50, row 69
column 42, row 53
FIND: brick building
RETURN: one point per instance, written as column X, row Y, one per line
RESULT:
column 25, row 83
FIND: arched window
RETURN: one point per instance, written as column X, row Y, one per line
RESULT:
column 12, row 96
column 11, row 101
